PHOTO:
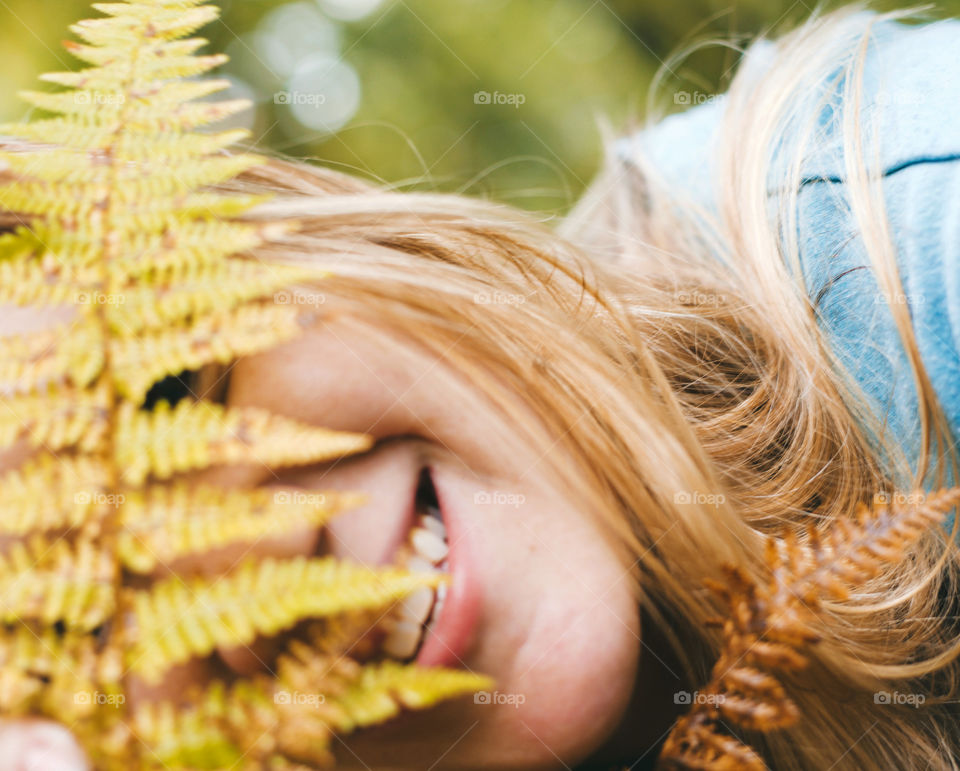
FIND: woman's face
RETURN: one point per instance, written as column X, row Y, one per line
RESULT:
column 539, row 600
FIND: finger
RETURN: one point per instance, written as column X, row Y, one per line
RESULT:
column 38, row 745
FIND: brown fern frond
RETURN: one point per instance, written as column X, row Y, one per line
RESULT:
column 770, row 625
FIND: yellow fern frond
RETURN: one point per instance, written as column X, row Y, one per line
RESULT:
column 190, row 436
column 192, row 116
column 19, row 245
column 216, row 338
column 150, row 101
column 175, row 622
column 70, row 354
column 243, row 727
column 78, row 200
column 49, row 493
column 179, row 147
column 168, row 256
column 108, row 57
column 56, row 165
column 167, row 214
column 51, row 673
column 57, row 419
column 381, row 690
column 168, row 96
column 96, row 138
column 166, row 178
column 129, row 24
column 204, row 735
column 166, row 523
column 55, row 581
column 269, row 723
column 62, row 132
column 144, row 10
column 177, row 62
column 212, row 291
column 125, row 235
column 63, row 260
column 25, row 280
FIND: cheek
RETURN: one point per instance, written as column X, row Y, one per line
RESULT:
column 578, row 666
column 561, row 629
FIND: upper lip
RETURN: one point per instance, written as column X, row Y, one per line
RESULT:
column 406, row 522
column 402, row 529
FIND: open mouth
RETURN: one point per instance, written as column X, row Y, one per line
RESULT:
column 425, row 550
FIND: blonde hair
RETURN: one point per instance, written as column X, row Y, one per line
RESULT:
column 739, row 398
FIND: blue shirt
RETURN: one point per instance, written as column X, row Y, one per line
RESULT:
column 912, row 83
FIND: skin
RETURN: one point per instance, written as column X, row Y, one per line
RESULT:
column 558, row 623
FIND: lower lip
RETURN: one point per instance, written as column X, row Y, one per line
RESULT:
column 451, row 637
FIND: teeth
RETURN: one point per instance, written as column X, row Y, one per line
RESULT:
column 416, row 606
column 427, row 553
column 403, row 640
column 420, row 565
column 428, row 544
column 438, row 605
column 433, row 523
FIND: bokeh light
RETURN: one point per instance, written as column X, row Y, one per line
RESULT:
column 291, row 32
column 324, row 92
column 349, row 10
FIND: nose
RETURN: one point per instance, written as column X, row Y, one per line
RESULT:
column 371, row 533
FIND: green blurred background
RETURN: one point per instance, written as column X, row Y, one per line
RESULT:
column 497, row 98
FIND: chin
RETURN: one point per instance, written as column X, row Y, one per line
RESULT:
column 575, row 696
